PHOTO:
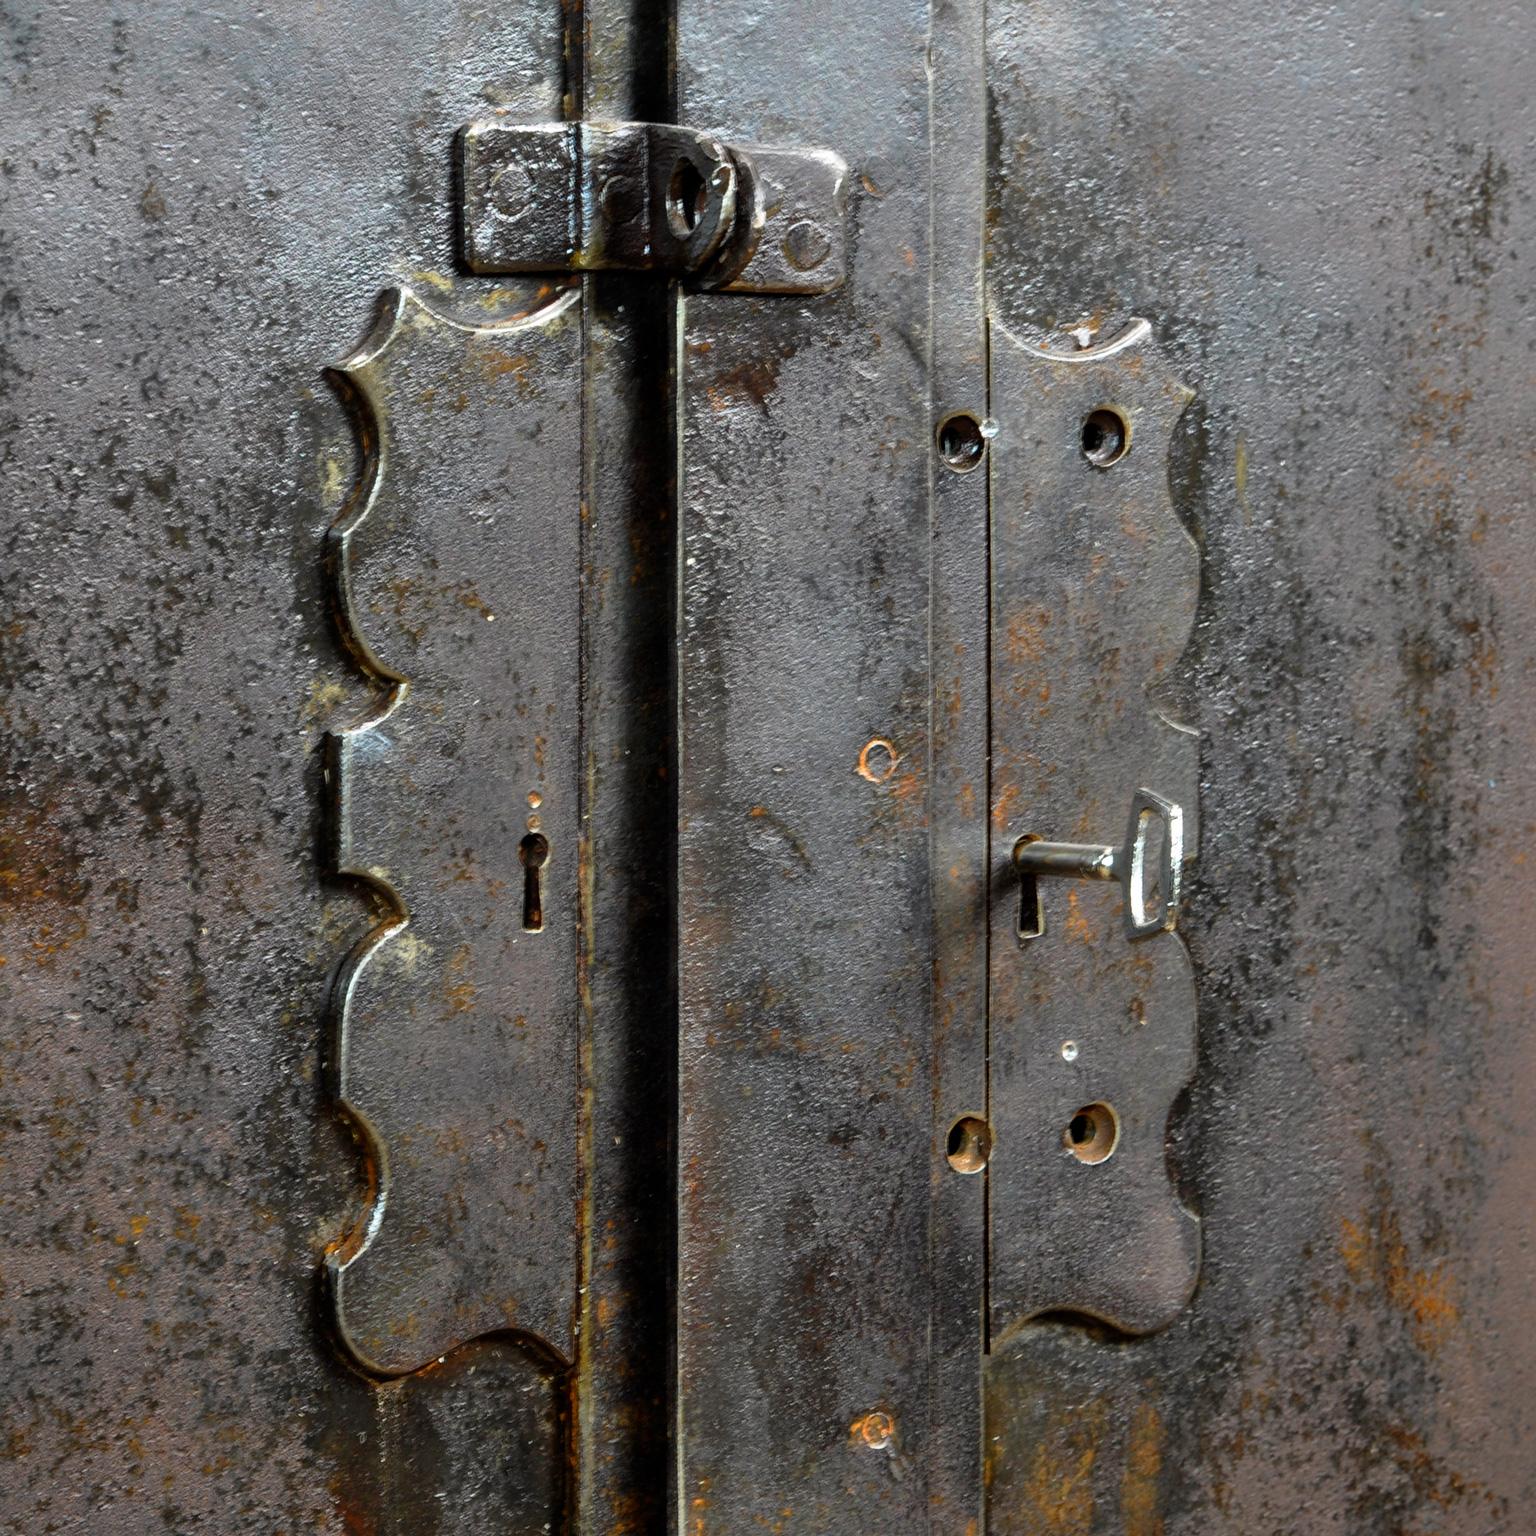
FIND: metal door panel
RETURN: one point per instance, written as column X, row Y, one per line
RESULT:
column 202, row 208
column 1321, row 209
column 772, row 1293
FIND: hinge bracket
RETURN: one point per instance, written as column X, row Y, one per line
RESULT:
column 582, row 197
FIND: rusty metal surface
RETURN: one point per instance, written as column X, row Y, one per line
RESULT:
column 1339, row 263
column 1327, row 212
column 201, row 208
column 1093, row 589
column 805, row 1055
column 458, row 800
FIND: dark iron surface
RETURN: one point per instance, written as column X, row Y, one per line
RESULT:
column 804, row 1389
column 1093, row 591
column 202, row 206
column 454, row 1059
column 1326, row 212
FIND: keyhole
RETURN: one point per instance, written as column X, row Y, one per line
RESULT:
column 1031, row 917
column 534, row 852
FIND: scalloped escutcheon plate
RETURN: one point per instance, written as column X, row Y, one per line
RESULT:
column 1094, row 584
column 457, row 573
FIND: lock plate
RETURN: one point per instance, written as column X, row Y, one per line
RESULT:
column 456, row 570
column 1092, row 1000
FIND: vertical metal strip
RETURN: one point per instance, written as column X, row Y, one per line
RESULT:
column 960, row 791
column 805, row 1010
column 619, row 61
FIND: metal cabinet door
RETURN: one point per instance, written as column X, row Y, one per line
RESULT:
column 535, row 993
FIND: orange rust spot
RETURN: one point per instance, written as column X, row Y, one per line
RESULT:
column 878, row 760
column 493, row 364
column 38, row 881
column 1433, row 1482
column 1002, row 807
column 1376, row 1255
column 749, row 383
column 1143, row 1466
column 876, row 1430
column 1075, row 923
column 458, row 989
column 1058, row 1492
column 1024, row 639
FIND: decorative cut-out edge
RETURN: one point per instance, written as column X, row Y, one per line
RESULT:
column 1138, row 336
column 348, row 378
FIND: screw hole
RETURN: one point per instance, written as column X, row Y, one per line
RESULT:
column 961, row 442
column 970, row 1144
column 687, row 198
column 1092, row 1134
column 1106, row 437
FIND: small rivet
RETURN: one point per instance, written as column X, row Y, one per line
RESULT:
column 621, row 200
column 1069, row 1050
column 875, row 1429
column 806, row 245
column 511, row 191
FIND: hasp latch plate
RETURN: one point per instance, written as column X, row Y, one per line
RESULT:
column 560, row 197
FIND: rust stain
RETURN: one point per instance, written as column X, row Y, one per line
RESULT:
column 1376, row 1256
column 908, row 795
column 1143, row 1466
column 700, row 1505
column 1002, row 807
column 750, row 383
column 38, row 883
column 458, row 989
column 1057, row 1496
column 1075, row 923
column 494, row 364
column 876, row 1430
column 1432, row 1481
column 1024, row 639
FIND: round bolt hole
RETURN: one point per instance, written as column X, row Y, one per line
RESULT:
column 1092, row 1133
column 876, row 1430
column 961, row 442
column 877, row 761
column 970, row 1144
column 1106, row 437
column 687, row 198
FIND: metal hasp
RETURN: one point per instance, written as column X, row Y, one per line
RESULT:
column 456, row 574
column 1094, row 583
column 744, row 218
